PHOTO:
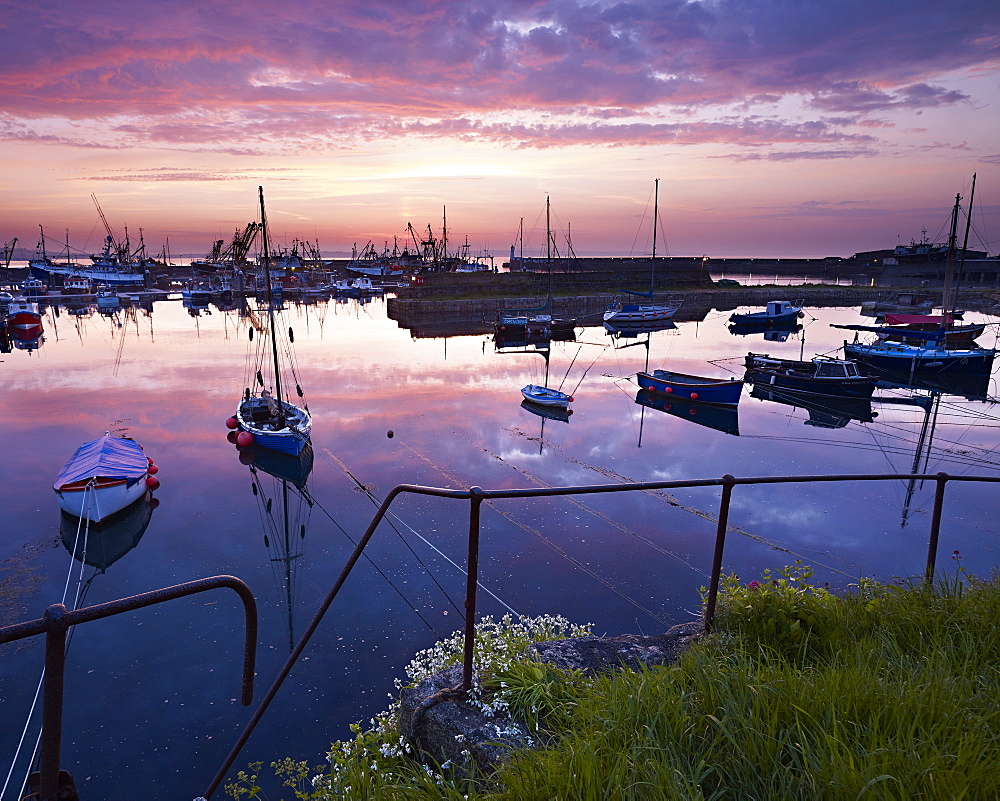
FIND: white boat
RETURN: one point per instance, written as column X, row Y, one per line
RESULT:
column 107, row 300
column 76, row 285
column 544, row 396
column 103, row 477
column 265, row 416
column 621, row 312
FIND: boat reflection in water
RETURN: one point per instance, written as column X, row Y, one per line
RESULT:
column 721, row 418
column 632, row 331
column 971, row 387
column 773, row 332
column 825, row 411
column 278, row 483
column 100, row 545
column 559, row 413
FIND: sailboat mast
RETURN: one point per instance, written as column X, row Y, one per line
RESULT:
column 270, row 309
column 656, row 215
column 950, row 264
column 965, row 242
column 548, row 234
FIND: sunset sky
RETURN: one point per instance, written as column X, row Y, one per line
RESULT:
column 775, row 127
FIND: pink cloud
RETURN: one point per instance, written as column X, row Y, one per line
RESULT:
column 184, row 71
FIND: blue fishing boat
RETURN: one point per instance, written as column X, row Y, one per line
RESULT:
column 265, row 418
column 777, row 312
column 725, row 391
column 544, row 396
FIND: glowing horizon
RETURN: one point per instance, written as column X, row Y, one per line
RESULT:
column 821, row 132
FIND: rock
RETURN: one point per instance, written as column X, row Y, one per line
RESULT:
column 603, row 654
column 451, row 732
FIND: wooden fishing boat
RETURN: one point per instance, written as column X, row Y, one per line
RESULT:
column 820, row 376
column 544, row 396
column 724, row 391
column 265, row 418
column 104, row 476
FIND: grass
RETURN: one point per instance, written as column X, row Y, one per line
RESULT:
column 885, row 692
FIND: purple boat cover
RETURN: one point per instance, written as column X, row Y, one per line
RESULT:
column 109, row 457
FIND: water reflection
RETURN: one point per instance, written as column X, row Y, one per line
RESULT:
column 278, row 483
column 628, row 563
column 825, row 411
column 772, row 332
column 720, row 418
column 100, row 545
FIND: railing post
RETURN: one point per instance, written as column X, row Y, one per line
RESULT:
column 472, row 581
column 932, row 540
column 720, row 543
column 52, row 696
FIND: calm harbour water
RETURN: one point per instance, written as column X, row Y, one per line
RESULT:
column 151, row 698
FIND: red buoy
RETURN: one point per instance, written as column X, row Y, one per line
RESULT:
column 571, row 397
column 152, row 469
column 231, row 436
column 668, row 390
column 152, row 482
column 244, row 439
column 694, row 396
column 232, row 423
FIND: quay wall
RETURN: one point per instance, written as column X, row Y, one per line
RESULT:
column 476, row 315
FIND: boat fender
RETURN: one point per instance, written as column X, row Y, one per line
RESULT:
column 389, row 434
column 152, row 469
column 231, row 436
column 668, row 390
column 571, row 398
column 694, row 396
column 244, row 439
column 232, row 423
column 692, row 412
column 152, row 482
column 802, row 314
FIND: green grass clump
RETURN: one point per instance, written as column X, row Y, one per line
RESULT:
column 884, row 692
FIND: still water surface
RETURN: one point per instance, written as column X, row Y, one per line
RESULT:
column 152, row 696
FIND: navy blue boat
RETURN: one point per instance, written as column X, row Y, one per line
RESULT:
column 820, row 376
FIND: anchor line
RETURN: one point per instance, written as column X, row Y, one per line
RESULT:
column 394, row 520
column 553, row 545
column 79, row 595
column 378, row 502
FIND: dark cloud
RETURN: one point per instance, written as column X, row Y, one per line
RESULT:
column 180, row 71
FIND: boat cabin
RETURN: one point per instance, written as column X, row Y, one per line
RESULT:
column 777, row 308
column 835, row 368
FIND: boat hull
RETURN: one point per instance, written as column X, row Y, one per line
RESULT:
column 98, row 502
column 861, row 387
column 696, row 388
column 638, row 313
column 904, row 359
column 543, row 396
column 253, row 416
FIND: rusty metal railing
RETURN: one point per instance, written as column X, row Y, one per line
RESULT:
column 476, row 496
column 54, row 626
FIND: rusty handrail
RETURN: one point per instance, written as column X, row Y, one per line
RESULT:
column 476, row 496
column 57, row 621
